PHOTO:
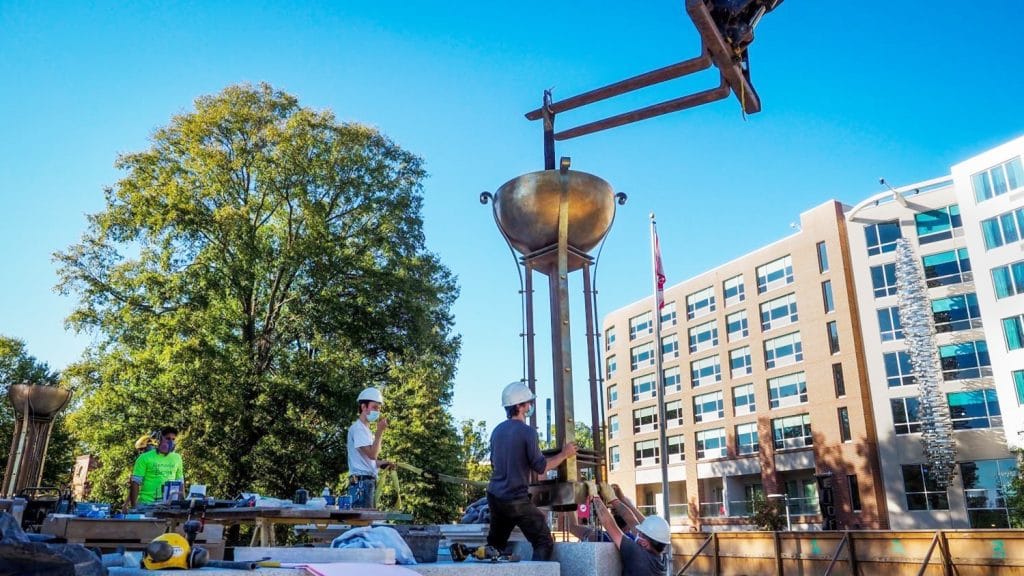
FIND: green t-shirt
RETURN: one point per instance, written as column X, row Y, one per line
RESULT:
column 151, row 470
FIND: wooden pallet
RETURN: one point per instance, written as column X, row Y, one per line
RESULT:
column 110, row 534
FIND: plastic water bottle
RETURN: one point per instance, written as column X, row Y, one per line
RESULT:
column 326, row 495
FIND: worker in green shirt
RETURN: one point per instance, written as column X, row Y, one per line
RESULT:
column 154, row 468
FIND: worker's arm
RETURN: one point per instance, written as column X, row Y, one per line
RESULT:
column 373, row 450
column 133, row 495
column 138, row 474
column 607, row 522
column 556, row 460
column 624, row 506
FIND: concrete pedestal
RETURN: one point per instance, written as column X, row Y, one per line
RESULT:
column 587, row 558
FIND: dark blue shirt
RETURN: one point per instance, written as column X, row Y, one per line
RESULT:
column 515, row 451
column 639, row 562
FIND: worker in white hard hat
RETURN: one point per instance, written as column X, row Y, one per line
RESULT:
column 515, row 452
column 364, row 449
column 643, row 556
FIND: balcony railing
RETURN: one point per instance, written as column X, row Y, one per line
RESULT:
column 808, row 506
column 680, row 512
column 741, row 507
column 712, row 509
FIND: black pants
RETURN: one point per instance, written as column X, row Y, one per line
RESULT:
column 507, row 514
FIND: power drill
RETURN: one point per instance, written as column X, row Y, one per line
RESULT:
column 460, row 552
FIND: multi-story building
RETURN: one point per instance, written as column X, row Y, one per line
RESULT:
column 765, row 391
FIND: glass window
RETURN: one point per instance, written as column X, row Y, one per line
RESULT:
column 851, row 482
column 844, row 425
column 703, row 336
column 700, row 303
column 733, row 288
column 974, row 409
column 1018, row 385
column 641, row 356
column 644, row 387
column 708, row 407
column 883, row 279
column 705, row 371
column 838, row 381
column 792, row 432
column 987, row 483
column 746, row 438
column 739, row 362
column 822, row 257
column 788, row 390
column 670, row 347
column 778, row 312
column 833, row 336
column 935, row 225
column 615, row 457
column 613, row 426
column 998, row 180
column 889, row 324
column 645, row 419
column 668, row 314
column 641, row 325
column 1013, row 332
column 613, row 395
column 1003, row 229
column 774, row 274
column 923, row 492
column 784, row 350
column 711, row 443
column 826, row 296
column 882, row 237
column 673, row 414
column 945, row 268
column 646, row 453
column 610, row 366
column 954, row 313
column 743, row 400
column 964, row 360
column 676, row 454
column 736, row 325
column 906, row 415
column 609, row 338
column 673, row 380
column 1008, row 280
column 898, row 370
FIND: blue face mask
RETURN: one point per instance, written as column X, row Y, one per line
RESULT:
column 530, row 410
column 372, row 415
column 167, row 446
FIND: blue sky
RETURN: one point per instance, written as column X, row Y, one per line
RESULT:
column 895, row 89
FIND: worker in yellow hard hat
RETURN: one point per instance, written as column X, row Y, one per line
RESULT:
column 153, row 468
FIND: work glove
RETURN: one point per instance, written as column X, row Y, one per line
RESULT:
column 606, row 492
column 592, row 491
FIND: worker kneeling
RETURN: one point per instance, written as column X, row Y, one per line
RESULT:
column 515, row 452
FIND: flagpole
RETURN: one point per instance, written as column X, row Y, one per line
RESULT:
column 658, row 277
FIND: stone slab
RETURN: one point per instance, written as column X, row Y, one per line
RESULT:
column 587, row 558
column 474, row 568
column 317, row 555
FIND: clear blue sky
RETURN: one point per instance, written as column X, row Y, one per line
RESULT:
column 895, row 89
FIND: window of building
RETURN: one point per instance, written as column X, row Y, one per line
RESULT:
column 792, row 432
column 946, row 268
column 711, row 444
column 783, row 350
column 641, row 325
column 974, row 409
column 1018, row 385
column 733, row 289
column 641, row 356
column 613, row 395
column 708, row 407
column 670, row 347
column 743, row 400
column 998, row 180
column 668, row 314
column 746, row 438
column 778, row 312
column 838, row 381
column 610, row 366
column 673, row 380
column 844, row 425
column 700, row 303
column 739, row 362
column 736, row 325
column 644, row 387
column 883, row 280
column 788, row 390
column 609, row 338
column 646, row 453
column 882, row 237
column 854, row 486
column 1003, row 229
column 614, row 457
column 645, row 419
column 898, row 370
column 1013, row 332
column 822, row 258
column 613, row 426
column 774, row 274
column 964, row 360
column 889, row 324
column 705, row 371
column 826, row 296
column 833, row 336
column 936, row 225
column 954, row 313
column 1008, row 280
column 676, row 453
column 923, row 492
column 987, row 483
column 673, row 413
column 703, row 336
column 906, row 414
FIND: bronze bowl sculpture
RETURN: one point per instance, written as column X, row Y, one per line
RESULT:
column 42, row 401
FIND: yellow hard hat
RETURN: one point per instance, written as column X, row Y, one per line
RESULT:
column 171, row 550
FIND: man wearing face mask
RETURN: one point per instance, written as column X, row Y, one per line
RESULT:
column 515, row 452
column 155, row 467
column 364, row 449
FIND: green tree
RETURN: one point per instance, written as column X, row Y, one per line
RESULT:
column 254, row 269
column 1015, row 494
column 767, row 515
column 474, row 454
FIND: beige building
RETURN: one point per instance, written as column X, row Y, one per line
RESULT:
column 765, row 391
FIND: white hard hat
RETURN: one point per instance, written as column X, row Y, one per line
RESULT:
column 370, row 395
column 516, row 393
column 655, row 528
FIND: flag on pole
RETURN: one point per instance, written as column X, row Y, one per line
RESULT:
column 659, row 272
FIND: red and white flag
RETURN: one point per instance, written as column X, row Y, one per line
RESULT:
column 659, row 272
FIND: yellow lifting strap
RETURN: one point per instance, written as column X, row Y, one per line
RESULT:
column 391, row 474
column 437, row 476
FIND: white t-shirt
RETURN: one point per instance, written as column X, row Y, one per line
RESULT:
column 359, row 435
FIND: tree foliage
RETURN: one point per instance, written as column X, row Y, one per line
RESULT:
column 766, row 514
column 254, row 269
